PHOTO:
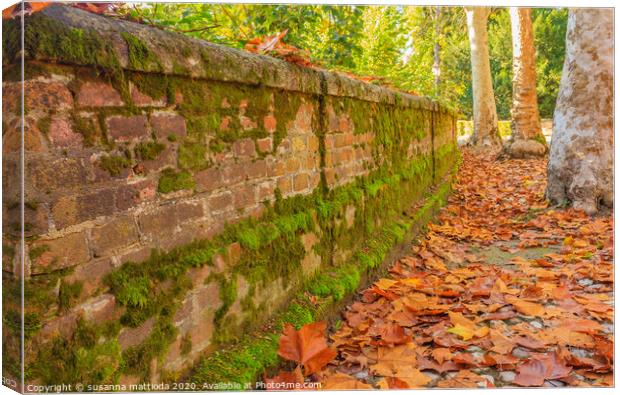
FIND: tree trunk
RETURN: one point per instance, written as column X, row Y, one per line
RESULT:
column 580, row 169
column 485, row 114
column 527, row 137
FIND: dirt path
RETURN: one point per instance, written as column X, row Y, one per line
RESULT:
column 502, row 291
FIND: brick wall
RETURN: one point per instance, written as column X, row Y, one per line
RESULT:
column 154, row 141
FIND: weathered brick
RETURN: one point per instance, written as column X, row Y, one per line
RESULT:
column 292, row 164
column 91, row 275
column 257, row 169
column 40, row 95
column 46, row 174
column 311, row 261
column 300, row 182
column 244, row 147
column 234, row 173
column 303, row 118
column 12, row 140
column 127, row 196
column 165, row 124
column 285, row 185
column 100, row 309
column 313, row 143
column 129, row 337
column 270, row 123
column 61, row 134
column 141, row 100
column 166, row 158
column 220, row 202
column 299, row 144
column 115, row 234
column 189, row 211
column 157, row 222
column 244, row 196
column 127, row 128
column 265, row 191
column 67, row 251
column 233, row 254
column 98, row 94
column 247, row 123
column 277, row 168
column 208, row 180
column 264, row 145
column 71, row 210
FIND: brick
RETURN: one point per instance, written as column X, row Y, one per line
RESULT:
column 67, row 251
column 285, row 185
column 141, row 100
column 117, row 233
column 264, row 145
column 311, row 261
column 91, row 275
column 131, row 195
column 234, row 173
column 40, row 95
column 11, row 140
column 277, row 168
column 244, row 147
column 265, row 191
column 299, row 144
column 189, row 211
column 208, row 180
column 129, row 337
column 48, row 175
column 303, row 118
column 98, row 94
column 71, row 210
column 225, row 123
column 158, row 222
column 244, row 196
column 100, row 309
column 313, row 143
column 221, row 202
column 127, row 128
column 270, row 123
column 233, row 254
column 292, row 164
column 300, row 182
column 165, row 124
column 344, row 125
column 166, row 158
column 257, row 169
column 61, row 134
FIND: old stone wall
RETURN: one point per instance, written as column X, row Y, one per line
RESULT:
column 178, row 192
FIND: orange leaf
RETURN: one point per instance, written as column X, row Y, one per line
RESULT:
column 307, row 346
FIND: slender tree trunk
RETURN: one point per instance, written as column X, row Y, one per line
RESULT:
column 436, row 51
column 580, row 169
column 485, row 114
column 527, row 137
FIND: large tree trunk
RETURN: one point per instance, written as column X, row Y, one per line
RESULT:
column 527, row 138
column 485, row 114
column 580, row 169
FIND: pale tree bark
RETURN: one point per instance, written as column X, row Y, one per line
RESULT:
column 485, row 114
column 580, row 169
column 527, row 138
column 436, row 51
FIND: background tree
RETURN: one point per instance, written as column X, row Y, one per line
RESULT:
column 580, row 169
column 485, row 114
column 527, row 137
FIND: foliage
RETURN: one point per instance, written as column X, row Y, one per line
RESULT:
column 394, row 45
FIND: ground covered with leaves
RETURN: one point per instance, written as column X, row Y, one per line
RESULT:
column 501, row 291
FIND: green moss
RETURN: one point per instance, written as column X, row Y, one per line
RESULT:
column 36, row 251
column 140, row 56
column 69, row 293
column 192, row 156
column 114, row 164
column 149, row 150
column 171, row 181
column 44, row 124
column 85, row 127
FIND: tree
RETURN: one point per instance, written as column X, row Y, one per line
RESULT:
column 580, row 169
column 527, row 137
column 485, row 115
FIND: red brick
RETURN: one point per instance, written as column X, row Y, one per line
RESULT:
column 100, row 308
column 265, row 145
column 265, row 191
column 257, row 169
column 303, row 118
column 39, row 95
column 277, row 168
column 165, row 124
column 98, row 94
column 127, row 128
column 119, row 232
column 11, row 140
column 234, row 173
column 284, row 185
column 270, row 123
column 292, row 164
column 141, row 100
column 233, row 253
column 244, row 147
column 300, row 182
column 225, row 123
column 129, row 337
column 247, row 123
column 244, row 196
column 67, row 251
column 221, row 202
column 61, row 134
column 208, row 180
